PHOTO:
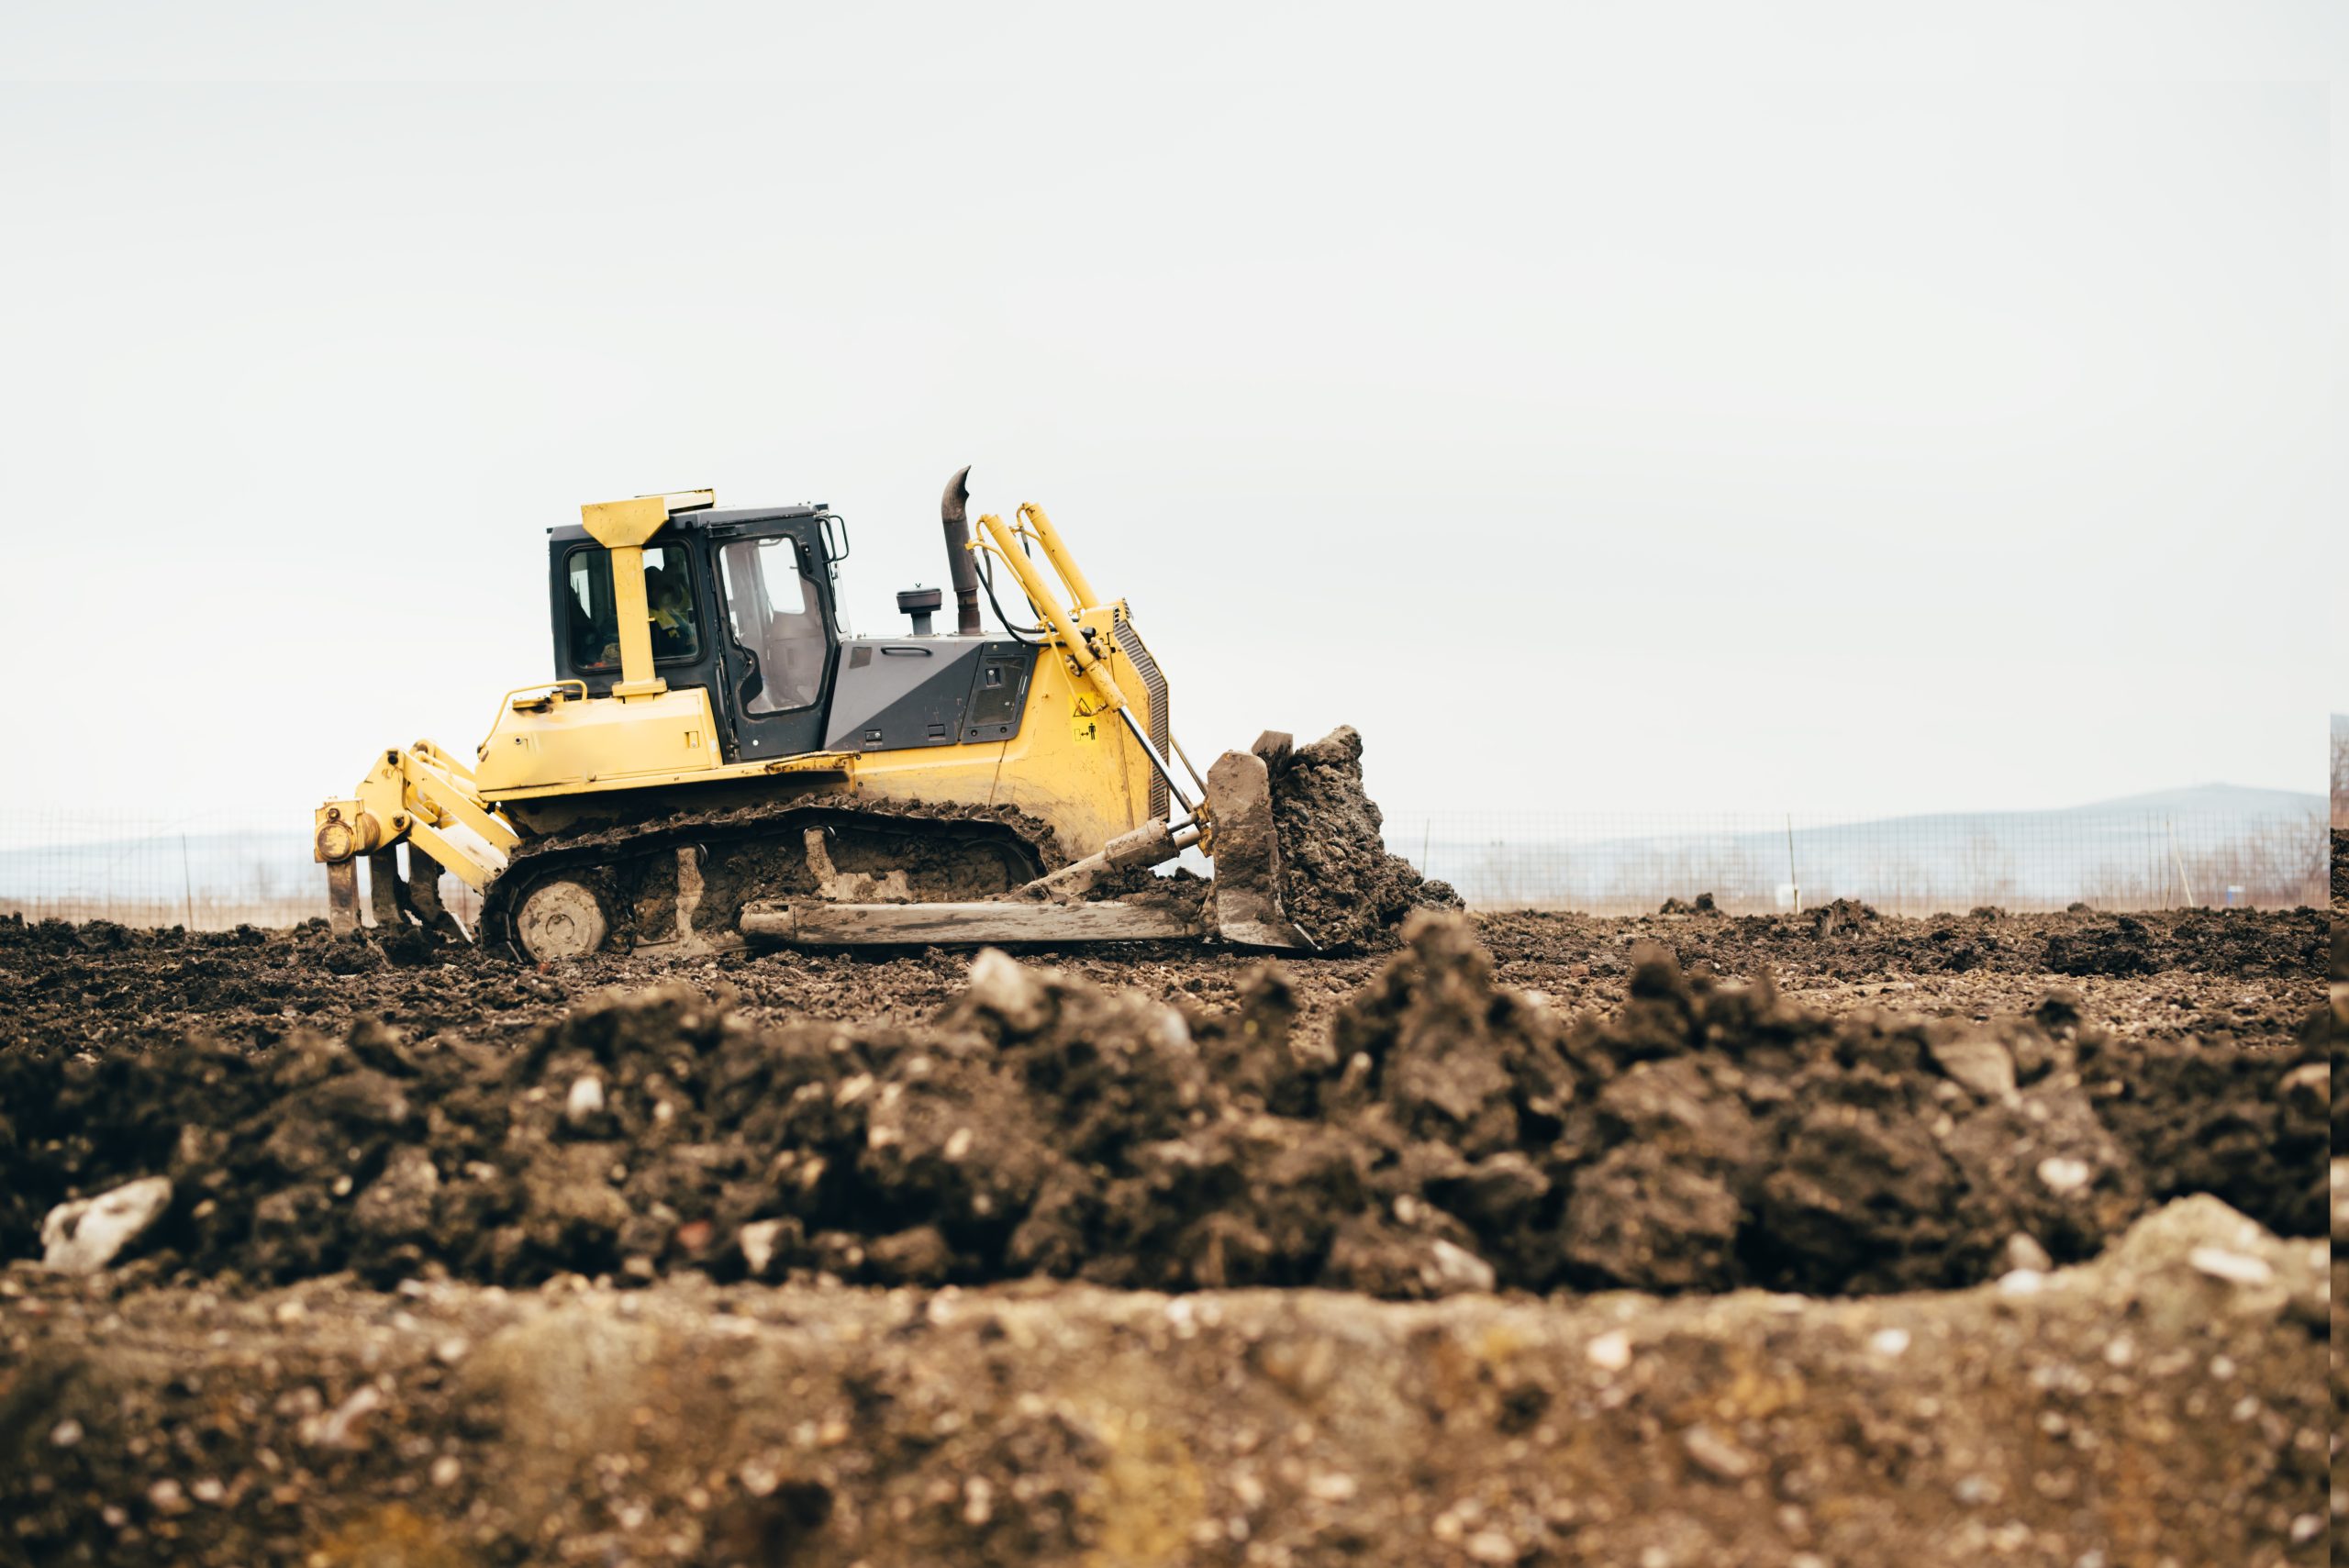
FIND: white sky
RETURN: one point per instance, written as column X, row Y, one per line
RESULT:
column 1597, row 414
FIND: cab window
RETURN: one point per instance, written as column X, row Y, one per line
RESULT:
column 669, row 601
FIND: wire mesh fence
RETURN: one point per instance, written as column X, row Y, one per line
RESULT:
column 211, row 871
column 1755, row 862
column 207, row 871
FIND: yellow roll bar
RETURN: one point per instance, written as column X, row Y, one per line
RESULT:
column 623, row 527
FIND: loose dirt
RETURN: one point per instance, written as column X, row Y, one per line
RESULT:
column 1441, row 1132
column 789, row 1258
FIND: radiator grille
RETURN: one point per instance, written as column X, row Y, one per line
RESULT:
column 1153, row 685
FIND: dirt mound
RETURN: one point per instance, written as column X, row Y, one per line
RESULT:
column 2118, row 947
column 1848, row 941
column 2165, row 1403
column 1841, row 916
column 1337, row 882
column 1444, row 1134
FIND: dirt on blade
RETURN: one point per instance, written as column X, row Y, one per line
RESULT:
column 1339, row 883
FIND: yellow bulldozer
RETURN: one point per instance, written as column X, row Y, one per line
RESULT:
column 716, row 762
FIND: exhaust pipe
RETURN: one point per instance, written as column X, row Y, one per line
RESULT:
column 961, row 570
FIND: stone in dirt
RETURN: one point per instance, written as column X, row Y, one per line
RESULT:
column 85, row 1236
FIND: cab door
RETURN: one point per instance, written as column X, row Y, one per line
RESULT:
column 776, row 636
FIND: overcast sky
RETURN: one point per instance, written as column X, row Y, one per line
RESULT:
column 1597, row 420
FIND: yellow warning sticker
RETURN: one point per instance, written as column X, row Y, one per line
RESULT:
column 1085, row 727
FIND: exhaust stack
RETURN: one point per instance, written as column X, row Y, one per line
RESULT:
column 962, row 570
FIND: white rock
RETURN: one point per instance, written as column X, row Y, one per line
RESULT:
column 1010, row 990
column 585, row 1099
column 2022, row 1281
column 758, row 1241
column 1460, row 1269
column 2062, row 1174
column 2023, row 1251
column 65, row 1434
column 1979, row 1062
column 1714, row 1454
column 2238, row 1268
column 1610, row 1351
column 85, row 1236
column 1889, row 1341
column 1492, row 1546
column 342, row 1427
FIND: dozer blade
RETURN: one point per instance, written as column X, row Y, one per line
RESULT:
column 1247, row 910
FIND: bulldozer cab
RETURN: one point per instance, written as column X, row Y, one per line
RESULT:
column 742, row 606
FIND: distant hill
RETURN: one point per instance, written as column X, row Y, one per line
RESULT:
column 2218, row 798
column 2267, row 846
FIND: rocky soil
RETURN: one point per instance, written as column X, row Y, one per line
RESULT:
column 1983, row 1237
column 2162, row 1404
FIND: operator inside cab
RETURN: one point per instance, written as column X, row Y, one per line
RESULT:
column 673, row 615
column 594, row 619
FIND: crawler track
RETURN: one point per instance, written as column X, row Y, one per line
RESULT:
column 740, row 853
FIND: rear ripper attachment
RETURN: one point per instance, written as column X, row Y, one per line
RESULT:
column 716, row 762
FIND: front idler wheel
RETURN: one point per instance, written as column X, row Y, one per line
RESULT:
column 561, row 920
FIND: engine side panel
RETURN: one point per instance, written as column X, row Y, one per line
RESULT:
column 926, row 690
